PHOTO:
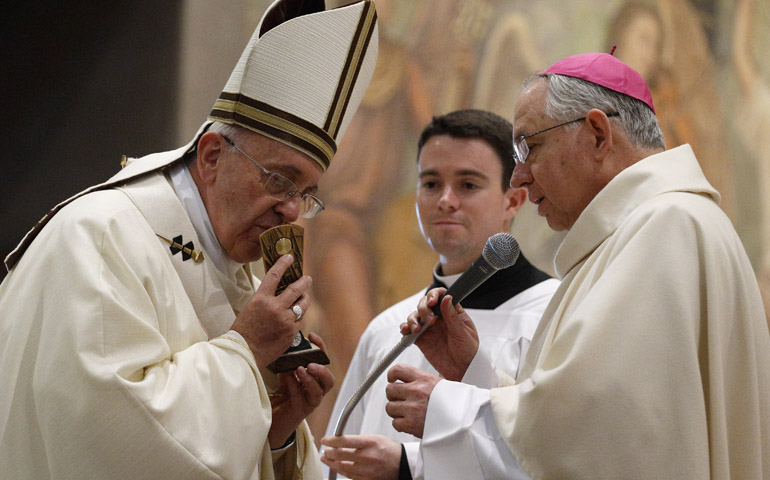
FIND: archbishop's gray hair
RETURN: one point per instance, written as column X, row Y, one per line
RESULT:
column 569, row 98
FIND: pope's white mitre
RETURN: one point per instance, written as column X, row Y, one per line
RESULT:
column 302, row 75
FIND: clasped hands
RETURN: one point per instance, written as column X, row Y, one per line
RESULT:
column 269, row 326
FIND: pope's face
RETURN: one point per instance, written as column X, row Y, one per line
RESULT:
column 460, row 199
column 557, row 172
column 237, row 204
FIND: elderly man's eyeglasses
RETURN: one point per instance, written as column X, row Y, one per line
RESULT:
column 521, row 148
column 283, row 189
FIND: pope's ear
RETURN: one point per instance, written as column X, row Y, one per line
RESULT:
column 211, row 146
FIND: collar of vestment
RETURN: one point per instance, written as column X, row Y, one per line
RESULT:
column 500, row 287
column 187, row 192
column 232, row 275
column 675, row 170
column 215, row 297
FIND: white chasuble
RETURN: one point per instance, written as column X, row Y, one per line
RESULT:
column 117, row 358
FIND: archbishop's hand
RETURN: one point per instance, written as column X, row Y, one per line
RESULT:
column 451, row 342
column 357, row 457
column 267, row 323
column 299, row 393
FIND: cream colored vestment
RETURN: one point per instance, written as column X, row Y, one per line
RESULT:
column 116, row 356
column 653, row 358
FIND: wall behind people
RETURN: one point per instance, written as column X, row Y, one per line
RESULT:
column 82, row 83
column 88, row 84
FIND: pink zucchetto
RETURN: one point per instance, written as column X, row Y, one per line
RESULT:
column 605, row 70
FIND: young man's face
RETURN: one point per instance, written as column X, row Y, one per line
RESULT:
column 460, row 198
column 237, row 204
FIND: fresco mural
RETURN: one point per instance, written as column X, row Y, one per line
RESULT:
column 701, row 59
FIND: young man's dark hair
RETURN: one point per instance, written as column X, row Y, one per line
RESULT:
column 470, row 123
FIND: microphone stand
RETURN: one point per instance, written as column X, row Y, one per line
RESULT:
column 394, row 352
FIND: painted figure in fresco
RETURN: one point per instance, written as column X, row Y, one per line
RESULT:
column 667, row 45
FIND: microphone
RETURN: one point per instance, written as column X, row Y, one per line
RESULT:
column 500, row 251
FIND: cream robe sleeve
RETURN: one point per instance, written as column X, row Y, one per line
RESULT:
column 123, row 379
column 460, row 437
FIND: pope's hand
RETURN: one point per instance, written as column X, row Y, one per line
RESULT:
column 267, row 323
column 299, row 393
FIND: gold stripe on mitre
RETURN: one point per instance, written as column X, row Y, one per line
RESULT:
column 275, row 123
column 353, row 63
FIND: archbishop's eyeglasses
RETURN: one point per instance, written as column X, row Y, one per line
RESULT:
column 521, row 149
column 282, row 188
